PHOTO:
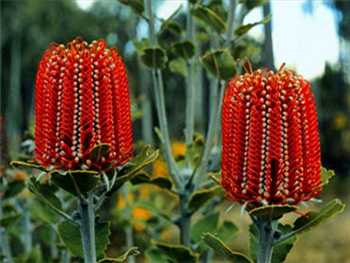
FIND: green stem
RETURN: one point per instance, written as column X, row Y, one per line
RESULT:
column 160, row 102
column 27, row 230
column 211, row 130
column 185, row 221
column 129, row 235
column 190, row 90
column 218, row 115
column 4, row 241
column 230, row 22
column 265, row 245
column 14, row 109
column 87, row 229
column 216, row 103
column 65, row 257
column 129, row 241
column 229, row 34
column 53, row 244
column 147, row 120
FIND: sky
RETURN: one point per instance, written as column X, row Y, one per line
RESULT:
column 304, row 41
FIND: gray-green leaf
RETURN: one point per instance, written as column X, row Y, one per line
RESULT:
column 178, row 253
column 154, row 57
column 312, row 219
column 222, row 249
column 208, row 223
column 220, row 63
column 326, row 175
column 184, row 49
column 270, row 212
column 243, row 29
column 209, row 17
column 178, row 66
column 201, row 196
column 71, row 237
column 136, row 5
column 133, row 251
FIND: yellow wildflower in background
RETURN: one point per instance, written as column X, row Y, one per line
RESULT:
column 340, row 121
column 160, row 168
column 20, row 176
column 122, row 201
column 140, row 213
column 139, row 216
column 178, row 150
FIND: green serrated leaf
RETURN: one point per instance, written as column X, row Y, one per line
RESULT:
column 208, row 223
column 311, row 219
column 170, row 32
column 219, row 8
column 136, row 5
column 8, row 208
column 160, row 181
column 250, row 4
column 178, row 66
column 281, row 251
column 154, row 57
column 215, row 177
column 227, row 231
column 326, row 175
column 222, row 249
column 208, row 17
column 20, row 164
column 141, row 44
column 270, row 212
column 35, row 255
column 154, row 255
column 253, row 241
column 13, row 188
column 184, row 49
column 178, row 253
column 85, row 180
column 220, row 63
column 71, row 237
column 45, row 192
column 41, row 211
column 245, row 48
column 133, row 251
column 147, row 155
column 243, row 29
column 201, row 196
column 44, row 232
column 9, row 220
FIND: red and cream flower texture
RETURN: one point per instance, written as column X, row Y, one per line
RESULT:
column 271, row 147
column 82, row 100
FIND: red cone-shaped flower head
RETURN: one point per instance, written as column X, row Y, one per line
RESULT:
column 271, row 148
column 82, row 100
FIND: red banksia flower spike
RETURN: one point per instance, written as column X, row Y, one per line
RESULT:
column 271, row 148
column 82, row 100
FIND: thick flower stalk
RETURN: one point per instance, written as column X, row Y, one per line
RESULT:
column 82, row 100
column 271, row 148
